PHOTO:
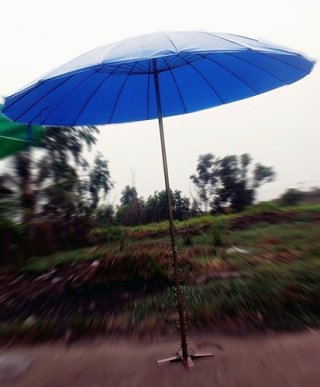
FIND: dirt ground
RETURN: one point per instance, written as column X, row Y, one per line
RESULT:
column 286, row 360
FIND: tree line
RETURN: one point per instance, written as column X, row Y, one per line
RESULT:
column 56, row 185
column 59, row 182
column 222, row 185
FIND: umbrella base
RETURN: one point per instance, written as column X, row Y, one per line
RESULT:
column 188, row 363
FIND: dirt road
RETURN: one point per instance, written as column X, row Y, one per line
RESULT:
column 286, row 360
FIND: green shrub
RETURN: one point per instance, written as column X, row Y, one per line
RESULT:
column 261, row 208
column 107, row 235
column 291, row 197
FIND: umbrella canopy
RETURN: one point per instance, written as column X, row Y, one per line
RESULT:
column 197, row 70
column 14, row 137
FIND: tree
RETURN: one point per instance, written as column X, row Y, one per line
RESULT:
column 128, row 195
column 156, row 206
column 206, row 178
column 131, row 214
column 57, row 173
column 99, row 180
column 152, row 211
column 234, row 188
column 130, row 211
column 181, row 206
column 262, row 174
column 134, row 210
column 17, row 184
column 49, row 189
column 9, row 203
column 227, row 182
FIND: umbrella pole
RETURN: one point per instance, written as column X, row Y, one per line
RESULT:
column 179, row 294
column 183, row 354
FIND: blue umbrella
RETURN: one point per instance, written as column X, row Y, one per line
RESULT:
column 116, row 83
column 154, row 76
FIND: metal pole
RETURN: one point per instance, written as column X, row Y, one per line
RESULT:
column 180, row 300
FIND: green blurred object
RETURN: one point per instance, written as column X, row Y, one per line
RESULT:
column 14, row 137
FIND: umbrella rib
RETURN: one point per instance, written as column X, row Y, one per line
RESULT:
column 66, row 96
column 285, row 63
column 176, row 84
column 148, row 92
column 93, row 93
column 32, row 90
column 236, row 43
column 174, row 46
column 175, row 49
column 231, row 72
column 258, row 67
column 118, row 97
column 176, row 61
column 276, row 59
column 140, row 66
column 205, row 79
column 258, row 51
column 127, row 68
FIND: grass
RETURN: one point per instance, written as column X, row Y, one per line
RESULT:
column 277, row 283
column 185, row 224
column 294, row 235
column 65, row 258
column 272, row 296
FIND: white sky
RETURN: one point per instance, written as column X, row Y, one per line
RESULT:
column 280, row 128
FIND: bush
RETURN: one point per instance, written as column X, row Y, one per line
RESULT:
column 262, row 208
column 107, row 235
column 217, row 233
column 291, row 197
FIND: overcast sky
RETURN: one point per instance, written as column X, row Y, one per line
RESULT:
column 280, row 128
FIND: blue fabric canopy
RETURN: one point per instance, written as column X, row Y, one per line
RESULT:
column 114, row 83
